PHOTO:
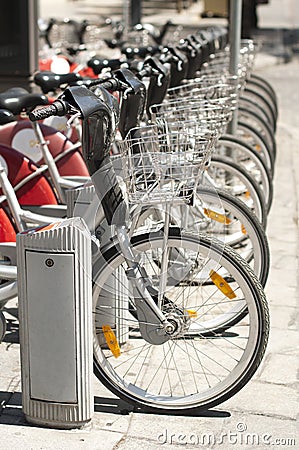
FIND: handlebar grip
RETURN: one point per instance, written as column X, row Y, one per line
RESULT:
column 145, row 72
column 42, row 113
column 58, row 108
column 111, row 84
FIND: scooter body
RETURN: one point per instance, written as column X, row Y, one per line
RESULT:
column 32, row 187
column 20, row 136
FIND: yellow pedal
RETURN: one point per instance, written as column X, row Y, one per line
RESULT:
column 111, row 340
column 221, row 218
column 222, row 285
column 243, row 229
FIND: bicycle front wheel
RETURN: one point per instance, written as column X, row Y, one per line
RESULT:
column 207, row 288
column 251, row 161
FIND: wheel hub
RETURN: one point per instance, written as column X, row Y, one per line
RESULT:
column 178, row 322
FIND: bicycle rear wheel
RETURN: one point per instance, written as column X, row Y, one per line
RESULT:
column 203, row 364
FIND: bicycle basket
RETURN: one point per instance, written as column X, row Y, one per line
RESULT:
column 163, row 164
column 202, row 90
column 214, row 114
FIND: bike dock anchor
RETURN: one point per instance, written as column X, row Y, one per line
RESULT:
column 55, row 309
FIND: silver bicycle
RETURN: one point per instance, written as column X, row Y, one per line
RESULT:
column 167, row 328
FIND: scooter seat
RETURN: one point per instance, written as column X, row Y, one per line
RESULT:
column 6, row 117
column 17, row 100
column 50, row 81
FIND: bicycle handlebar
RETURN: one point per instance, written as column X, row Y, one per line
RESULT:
column 111, row 84
column 60, row 107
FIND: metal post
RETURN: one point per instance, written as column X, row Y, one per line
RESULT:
column 19, row 43
column 235, row 21
column 135, row 12
column 126, row 18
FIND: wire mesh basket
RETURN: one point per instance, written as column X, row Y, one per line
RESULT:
column 163, row 163
column 213, row 114
column 204, row 89
column 211, row 77
column 222, row 72
column 219, row 62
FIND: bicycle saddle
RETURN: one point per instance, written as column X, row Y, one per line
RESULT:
column 98, row 64
column 18, row 99
column 133, row 51
column 50, row 81
column 6, row 117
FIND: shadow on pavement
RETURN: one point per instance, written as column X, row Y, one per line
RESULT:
column 118, row 406
column 11, row 409
column 12, row 325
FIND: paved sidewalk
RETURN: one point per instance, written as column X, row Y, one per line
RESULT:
column 263, row 415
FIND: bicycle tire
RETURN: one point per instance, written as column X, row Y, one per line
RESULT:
column 244, row 187
column 252, row 106
column 259, row 89
column 257, row 122
column 2, row 326
column 263, row 104
column 253, row 137
column 162, row 378
column 250, row 159
column 239, row 218
column 257, row 79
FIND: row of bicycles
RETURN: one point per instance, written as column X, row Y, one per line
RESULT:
column 177, row 208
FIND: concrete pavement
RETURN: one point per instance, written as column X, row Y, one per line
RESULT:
column 264, row 413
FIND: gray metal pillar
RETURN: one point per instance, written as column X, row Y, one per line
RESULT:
column 18, row 42
column 135, row 12
column 126, row 17
column 235, row 22
column 131, row 13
